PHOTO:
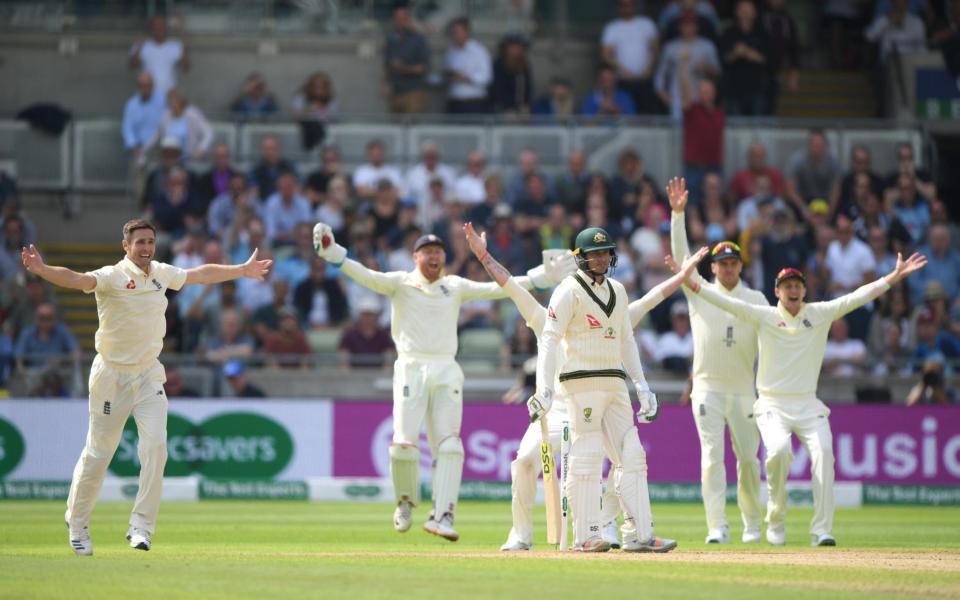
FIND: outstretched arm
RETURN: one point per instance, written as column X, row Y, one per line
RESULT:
column 661, row 291
column 870, row 291
column 746, row 311
column 328, row 249
column 61, row 276
column 478, row 245
column 213, row 273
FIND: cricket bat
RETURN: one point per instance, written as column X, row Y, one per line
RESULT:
column 551, row 486
column 564, row 502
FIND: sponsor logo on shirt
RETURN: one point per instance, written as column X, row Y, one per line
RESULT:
column 157, row 283
column 551, row 314
column 807, row 324
column 131, row 285
column 444, row 289
column 593, row 322
column 781, row 324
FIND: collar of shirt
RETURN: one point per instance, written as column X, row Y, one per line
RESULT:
column 589, row 280
column 786, row 314
column 131, row 267
column 417, row 277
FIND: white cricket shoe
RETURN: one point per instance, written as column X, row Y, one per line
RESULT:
column 611, row 534
column 513, row 545
column 80, row 541
column 139, row 538
column 776, row 535
column 751, row 535
column 654, row 544
column 594, row 544
column 721, row 535
column 403, row 516
column 442, row 527
column 824, row 539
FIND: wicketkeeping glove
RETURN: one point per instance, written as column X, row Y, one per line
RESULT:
column 538, row 405
column 557, row 264
column 326, row 247
column 649, row 407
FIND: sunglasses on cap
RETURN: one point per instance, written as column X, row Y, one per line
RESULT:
column 722, row 247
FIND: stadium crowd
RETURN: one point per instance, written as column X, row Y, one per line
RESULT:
column 842, row 227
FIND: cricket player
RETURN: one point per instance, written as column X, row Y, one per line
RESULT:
column 587, row 343
column 725, row 351
column 792, row 338
column 524, row 469
column 126, row 377
column 427, row 381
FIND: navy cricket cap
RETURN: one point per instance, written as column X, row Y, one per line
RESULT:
column 725, row 250
column 427, row 240
column 790, row 273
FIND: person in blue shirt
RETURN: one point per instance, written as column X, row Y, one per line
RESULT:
column 607, row 99
column 141, row 115
column 46, row 339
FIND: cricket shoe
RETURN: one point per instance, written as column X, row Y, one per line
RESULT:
column 776, row 535
column 721, row 535
column 611, row 535
column 512, row 545
column 751, row 535
column 139, row 538
column 824, row 539
column 80, row 541
column 594, row 544
column 442, row 527
column 403, row 516
column 654, row 544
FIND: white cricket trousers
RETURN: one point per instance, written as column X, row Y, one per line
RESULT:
column 813, row 430
column 711, row 411
column 116, row 392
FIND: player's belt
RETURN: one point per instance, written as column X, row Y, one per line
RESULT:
column 618, row 373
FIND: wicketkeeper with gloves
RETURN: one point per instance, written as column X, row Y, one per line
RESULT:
column 427, row 381
column 588, row 315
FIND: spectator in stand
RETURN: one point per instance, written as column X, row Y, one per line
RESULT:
column 819, row 277
column 851, row 264
column 11, row 244
column 892, row 357
column 370, row 174
column 141, row 115
column 684, row 62
column 570, row 187
column 365, row 344
column 911, row 207
column 419, row 177
column 254, row 293
column 669, row 19
column 715, row 210
column 433, row 207
column 223, row 209
column 932, row 389
column 784, row 49
column 532, row 206
column 284, row 210
column 8, row 187
column 512, row 87
column 384, row 212
column 946, row 38
column 266, row 319
column 296, row 267
column 21, row 313
column 255, row 101
column 749, row 208
column 320, row 299
column 782, row 246
column 171, row 156
column 893, row 311
column 745, row 48
column 174, row 387
column 742, row 184
column 160, row 56
column 936, row 301
column 503, row 243
column 939, row 215
column 556, row 231
column 287, row 347
column 703, row 126
column 482, row 214
column 244, row 235
column 216, row 181
column 240, row 387
column 943, row 265
column 232, row 342
column 46, row 341
column 528, row 163
column 896, row 34
column 313, row 105
column 872, row 215
column 625, row 186
column 468, row 70
column 470, row 187
column 812, row 172
column 401, row 259
column 844, row 356
column 186, row 123
column 6, row 354
column 630, row 45
column 879, row 243
column 406, row 62
column 171, row 209
column 318, row 182
column 846, row 200
column 189, row 253
column 558, row 103
column 607, row 100
column 907, row 165
column 674, row 349
column 519, row 348
column 333, row 208
column 271, row 165
column 931, row 340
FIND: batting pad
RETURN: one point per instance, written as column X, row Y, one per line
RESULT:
column 584, row 485
column 524, row 488
column 633, row 491
column 405, row 471
column 446, row 478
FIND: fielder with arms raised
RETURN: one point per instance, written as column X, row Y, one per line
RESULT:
column 792, row 339
column 724, row 354
column 524, row 469
column 126, row 377
column 427, row 381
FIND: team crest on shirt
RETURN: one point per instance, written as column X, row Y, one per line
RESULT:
column 609, row 334
column 807, row 324
column 586, row 414
column 444, row 289
column 593, row 322
column 131, row 285
column 551, row 314
column 156, row 283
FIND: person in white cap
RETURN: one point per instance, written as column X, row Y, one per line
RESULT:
column 427, row 381
column 126, row 378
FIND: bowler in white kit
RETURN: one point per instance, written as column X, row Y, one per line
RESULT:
column 126, row 377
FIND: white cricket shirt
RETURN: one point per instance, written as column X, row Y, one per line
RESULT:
column 631, row 41
column 160, row 60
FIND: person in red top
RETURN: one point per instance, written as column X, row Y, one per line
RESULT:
column 703, row 125
column 742, row 186
column 366, row 344
column 288, row 345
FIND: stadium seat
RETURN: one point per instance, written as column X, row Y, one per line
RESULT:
column 455, row 141
column 481, row 346
column 287, row 133
column 97, row 145
column 352, row 140
column 323, row 341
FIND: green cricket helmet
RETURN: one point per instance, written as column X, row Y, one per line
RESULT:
column 591, row 240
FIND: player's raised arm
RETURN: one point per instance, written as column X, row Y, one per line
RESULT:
column 61, row 276
column 677, row 196
column 639, row 308
column 871, row 291
column 744, row 310
column 207, row 274
column 328, row 249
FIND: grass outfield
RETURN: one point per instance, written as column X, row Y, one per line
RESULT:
column 236, row 549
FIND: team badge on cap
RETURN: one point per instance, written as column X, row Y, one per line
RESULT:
column 725, row 250
column 790, row 273
column 427, row 240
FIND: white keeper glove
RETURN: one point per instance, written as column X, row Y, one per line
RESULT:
column 327, row 248
column 557, row 264
column 538, row 405
column 649, row 407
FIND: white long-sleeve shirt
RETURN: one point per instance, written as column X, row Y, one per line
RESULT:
column 792, row 347
column 473, row 62
column 423, row 315
column 591, row 322
column 724, row 345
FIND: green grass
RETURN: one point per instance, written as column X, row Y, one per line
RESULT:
column 237, row 549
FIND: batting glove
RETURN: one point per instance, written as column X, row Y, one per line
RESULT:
column 649, row 407
column 538, row 405
column 326, row 247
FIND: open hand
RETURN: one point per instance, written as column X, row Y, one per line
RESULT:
column 477, row 243
column 690, row 264
column 677, row 194
column 32, row 261
column 905, row 267
column 256, row 269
